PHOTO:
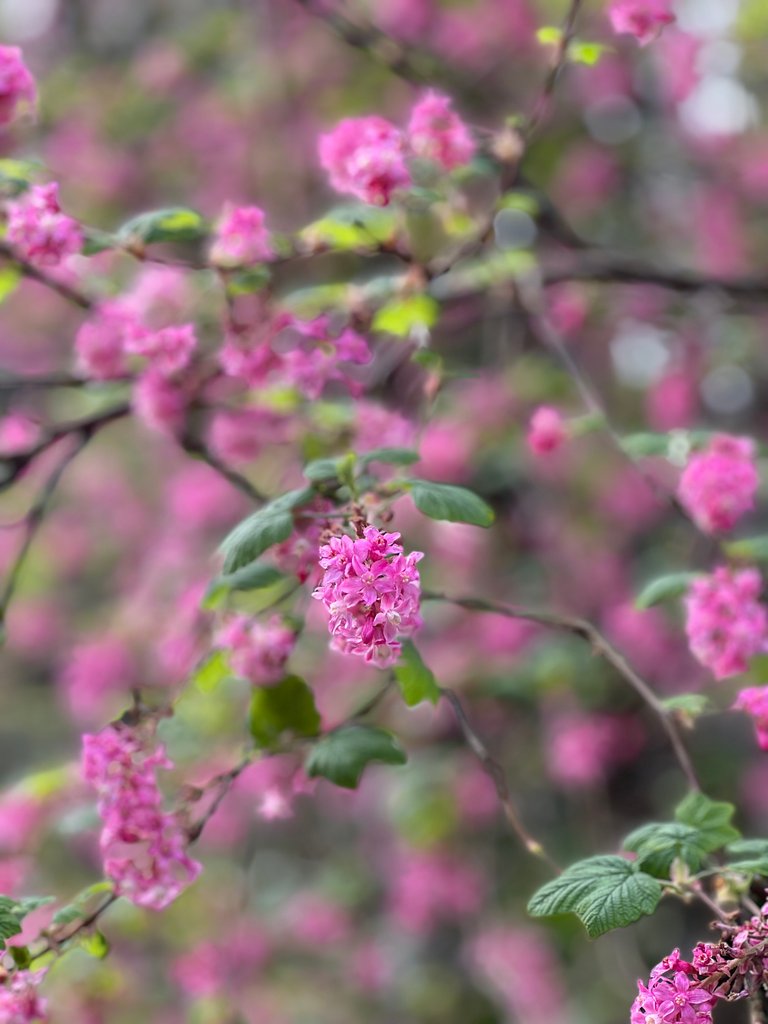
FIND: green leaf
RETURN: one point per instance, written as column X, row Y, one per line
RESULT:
column 586, row 53
column 13, row 912
column 446, row 501
column 402, row 316
column 289, row 706
column 689, row 705
column 16, row 175
column 638, row 446
column 322, row 470
column 21, row 956
column 95, row 945
column 711, row 817
column 354, row 226
column 254, row 576
column 72, row 912
column 391, row 456
column 549, row 35
column 751, row 855
column 416, row 681
column 604, row 892
column 10, row 276
column 96, row 241
column 251, row 538
column 674, row 584
column 213, row 672
column 342, row 755
column 247, row 282
column 658, row 844
column 175, row 224
column 749, row 549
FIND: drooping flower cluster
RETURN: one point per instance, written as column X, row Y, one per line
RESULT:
column 20, row 1001
column 144, row 847
column 17, row 86
column 547, row 431
column 259, row 650
column 368, row 157
column 643, row 19
column 39, row 231
column 754, row 700
column 371, row 590
column 726, row 623
column 718, row 486
column 241, row 237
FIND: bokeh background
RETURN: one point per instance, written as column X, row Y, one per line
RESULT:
column 403, row 901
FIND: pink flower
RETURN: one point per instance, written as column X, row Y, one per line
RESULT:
column 726, row 624
column 241, row 237
column 679, row 1000
column 169, row 350
column 437, row 133
column 19, row 999
column 17, row 86
column 18, row 433
column 718, row 486
column 239, row 435
column 547, row 431
column 102, row 341
column 318, row 352
column 371, row 590
column 365, row 157
column 754, row 700
column 643, row 19
column 158, row 402
column 259, row 650
column 144, row 847
column 38, row 230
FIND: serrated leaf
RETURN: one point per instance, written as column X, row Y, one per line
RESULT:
column 749, row 549
column 390, row 456
column 751, row 855
column 342, row 755
column 288, row 706
column 452, row 503
column 255, row 576
column 658, row 844
column 416, row 681
column 664, row 588
column 604, row 892
column 174, row 224
column 403, row 316
column 254, row 535
column 711, row 817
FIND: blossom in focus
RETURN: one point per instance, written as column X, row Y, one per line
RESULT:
column 436, row 132
column 144, row 847
column 726, row 623
column 38, row 230
column 643, row 19
column 241, row 237
column 547, row 431
column 365, row 157
column 371, row 590
column 17, row 86
column 754, row 700
column 718, row 485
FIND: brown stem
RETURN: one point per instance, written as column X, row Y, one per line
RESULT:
column 496, row 773
column 35, row 273
column 194, row 446
column 586, row 631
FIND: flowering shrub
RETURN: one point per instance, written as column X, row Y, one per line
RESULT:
column 361, row 678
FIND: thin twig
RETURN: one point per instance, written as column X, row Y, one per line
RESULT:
column 544, row 101
column 35, row 273
column 194, row 446
column 600, row 646
column 496, row 773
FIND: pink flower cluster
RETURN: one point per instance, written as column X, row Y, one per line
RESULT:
column 368, row 157
column 754, row 700
column 643, row 19
column 20, row 1002
column 371, row 590
column 305, row 354
column 547, row 431
column 259, row 650
column 39, row 231
column 17, row 86
column 144, row 847
column 241, row 237
column 726, row 623
column 675, row 1000
column 718, row 486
